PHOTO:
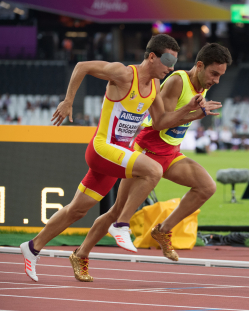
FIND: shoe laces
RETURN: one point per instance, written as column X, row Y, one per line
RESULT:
column 127, row 231
column 84, row 266
column 166, row 239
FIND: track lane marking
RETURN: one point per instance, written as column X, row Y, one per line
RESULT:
column 136, row 280
column 166, row 291
column 46, row 287
column 142, row 271
column 119, row 302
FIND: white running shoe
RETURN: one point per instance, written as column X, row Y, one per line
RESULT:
column 122, row 237
column 30, row 261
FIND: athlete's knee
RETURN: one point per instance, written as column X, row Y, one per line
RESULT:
column 155, row 172
column 211, row 187
column 208, row 190
column 78, row 210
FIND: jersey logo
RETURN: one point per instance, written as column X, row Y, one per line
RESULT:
column 131, row 117
column 133, row 95
column 140, row 107
column 177, row 132
column 127, row 125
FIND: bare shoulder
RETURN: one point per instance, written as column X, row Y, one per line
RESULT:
column 119, row 72
column 173, row 86
column 174, row 80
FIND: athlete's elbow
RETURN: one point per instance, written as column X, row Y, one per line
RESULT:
column 154, row 126
column 157, row 126
column 83, row 67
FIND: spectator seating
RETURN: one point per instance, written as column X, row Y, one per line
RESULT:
column 92, row 107
column 30, row 109
column 231, row 111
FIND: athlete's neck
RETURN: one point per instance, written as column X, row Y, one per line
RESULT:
column 193, row 76
column 143, row 74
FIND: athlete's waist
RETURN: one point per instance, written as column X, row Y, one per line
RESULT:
column 103, row 139
column 150, row 141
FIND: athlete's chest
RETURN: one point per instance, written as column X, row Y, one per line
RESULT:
column 136, row 103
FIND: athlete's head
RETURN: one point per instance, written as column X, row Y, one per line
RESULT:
column 211, row 63
column 162, row 51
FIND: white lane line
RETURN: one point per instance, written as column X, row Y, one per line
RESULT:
column 136, row 280
column 31, row 284
column 111, row 289
column 34, row 287
column 134, row 289
column 140, row 271
column 117, row 302
column 48, row 286
column 167, row 291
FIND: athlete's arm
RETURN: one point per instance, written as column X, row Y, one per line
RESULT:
column 199, row 114
column 162, row 119
column 171, row 92
column 114, row 72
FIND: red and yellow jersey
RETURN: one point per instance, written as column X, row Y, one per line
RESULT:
column 159, row 142
column 120, row 119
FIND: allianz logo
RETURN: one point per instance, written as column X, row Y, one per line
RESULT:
column 178, row 132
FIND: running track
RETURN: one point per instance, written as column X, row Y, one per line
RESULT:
column 121, row 286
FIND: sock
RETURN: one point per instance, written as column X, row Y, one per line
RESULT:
column 121, row 224
column 31, row 247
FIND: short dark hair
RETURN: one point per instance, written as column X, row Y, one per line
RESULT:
column 159, row 43
column 214, row 53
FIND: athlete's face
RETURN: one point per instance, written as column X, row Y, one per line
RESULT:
column 161, row 69
column 211, row 74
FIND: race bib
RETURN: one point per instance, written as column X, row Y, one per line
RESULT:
column 127, row 125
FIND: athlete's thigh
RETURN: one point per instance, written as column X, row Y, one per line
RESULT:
column 187, row 172
column 82, row 201
column 144, row 165
column 110, row 159
column 96, row 185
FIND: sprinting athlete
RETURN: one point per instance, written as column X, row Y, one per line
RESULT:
column 130, row 92
column 163, row 146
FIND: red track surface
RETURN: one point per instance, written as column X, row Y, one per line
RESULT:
column 123, row 286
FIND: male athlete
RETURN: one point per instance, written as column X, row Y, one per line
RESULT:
column 164, row 147
column 130, row 92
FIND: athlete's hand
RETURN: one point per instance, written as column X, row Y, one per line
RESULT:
column 212, row 105
column 196, row 102
column 63, row 110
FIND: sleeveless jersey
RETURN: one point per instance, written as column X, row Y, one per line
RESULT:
column 120, row 120
column 174, row 136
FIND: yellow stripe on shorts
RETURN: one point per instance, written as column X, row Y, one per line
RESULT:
column 96, row 196
column 130, row 164
column 176, row 160
column 138, row 148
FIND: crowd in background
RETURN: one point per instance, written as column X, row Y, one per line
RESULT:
column 28, row 109
column 220, row 139
column 230, row 130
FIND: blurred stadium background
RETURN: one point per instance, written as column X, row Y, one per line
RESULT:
column 41, row 42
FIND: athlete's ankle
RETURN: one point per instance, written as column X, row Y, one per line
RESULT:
column 121, row 224
column 32, row 249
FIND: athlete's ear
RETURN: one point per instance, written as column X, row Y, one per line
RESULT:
column 199, row 65
column 152, row 57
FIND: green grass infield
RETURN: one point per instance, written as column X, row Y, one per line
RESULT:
column 217, row 210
